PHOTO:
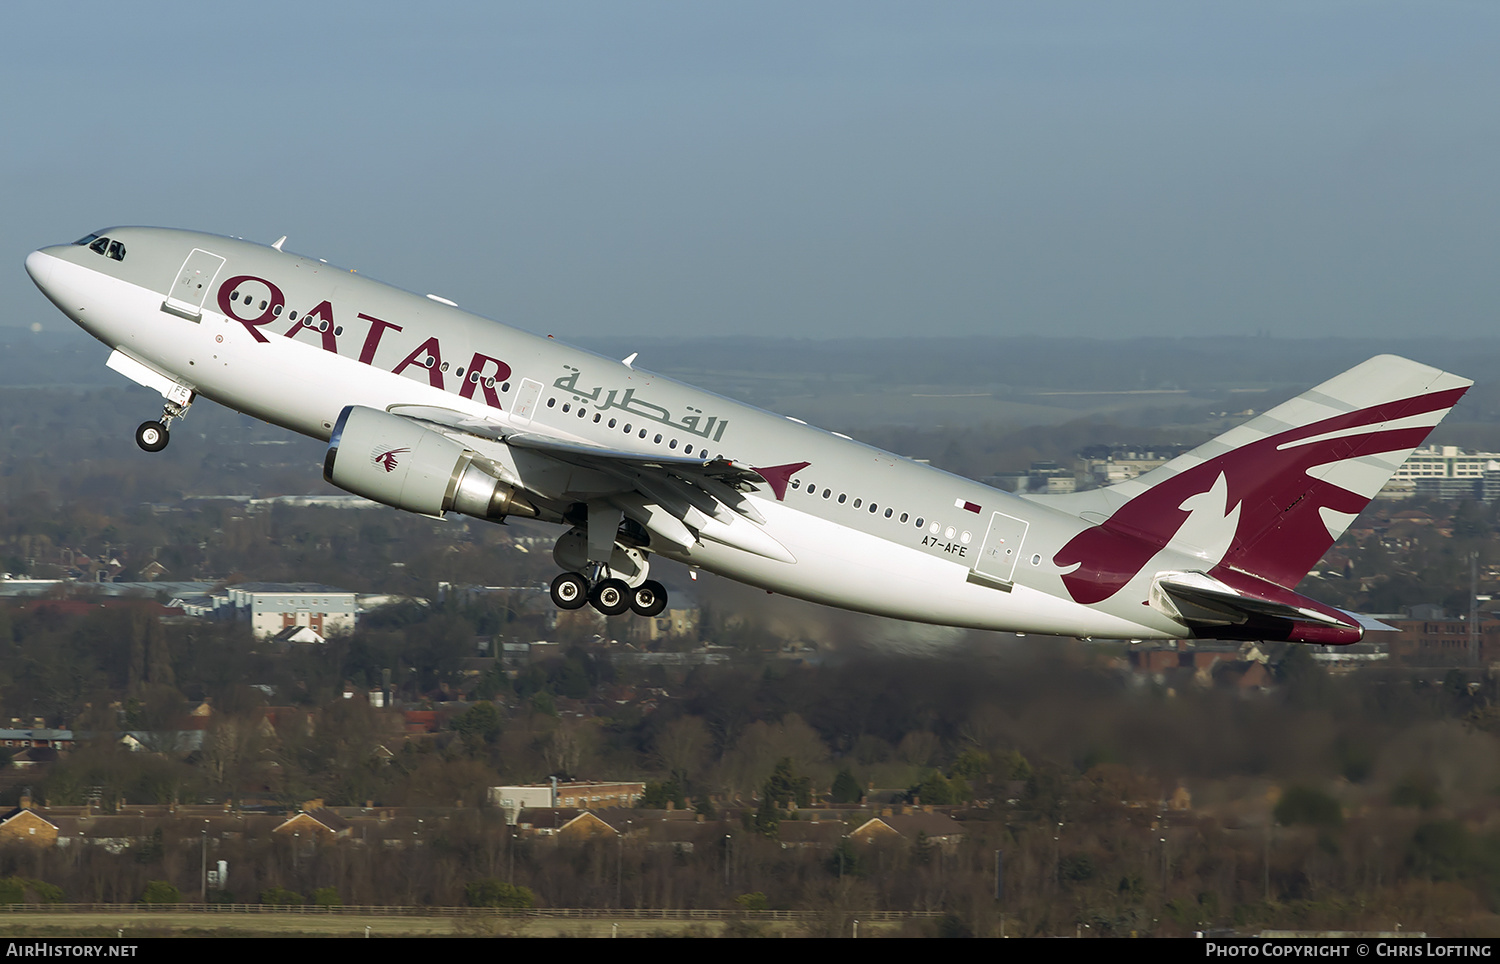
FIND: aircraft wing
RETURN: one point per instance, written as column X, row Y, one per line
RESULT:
column 677, row 498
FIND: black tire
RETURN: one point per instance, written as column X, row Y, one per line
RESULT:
column 152, row 436
column 611, row 597
column 649, row 598
column 570, row 591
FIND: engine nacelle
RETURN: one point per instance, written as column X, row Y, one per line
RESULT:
column 398, row 462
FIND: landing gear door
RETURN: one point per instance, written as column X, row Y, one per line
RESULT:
column 996, row 562
column 194, row 278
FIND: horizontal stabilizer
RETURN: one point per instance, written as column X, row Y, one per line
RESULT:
column 1253, row 609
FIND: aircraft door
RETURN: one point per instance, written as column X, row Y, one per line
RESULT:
column 194, row 278
column 527, row 396
column 996, row 562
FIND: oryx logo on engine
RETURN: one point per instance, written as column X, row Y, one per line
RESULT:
column 386, row 458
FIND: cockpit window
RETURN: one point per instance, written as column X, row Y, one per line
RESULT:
column 114, row 249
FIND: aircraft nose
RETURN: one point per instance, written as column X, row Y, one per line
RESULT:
column 39, row 266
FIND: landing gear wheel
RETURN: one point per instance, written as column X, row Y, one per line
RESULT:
column 649, row 598
column 569, row 591
column 152, row 436
column 611, row 597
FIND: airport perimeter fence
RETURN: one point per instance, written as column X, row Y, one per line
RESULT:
column 536, row 913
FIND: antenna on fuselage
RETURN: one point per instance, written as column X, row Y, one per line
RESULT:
column 629, row 360
column 279, row 243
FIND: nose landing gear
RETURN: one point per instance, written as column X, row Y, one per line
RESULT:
column 154, row 436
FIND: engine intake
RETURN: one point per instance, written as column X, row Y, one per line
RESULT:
column 396, row 461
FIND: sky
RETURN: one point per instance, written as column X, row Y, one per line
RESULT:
column 814, row 170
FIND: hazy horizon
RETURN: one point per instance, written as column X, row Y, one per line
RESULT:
column 879, row 169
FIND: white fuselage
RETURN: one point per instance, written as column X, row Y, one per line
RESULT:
column 388, row 349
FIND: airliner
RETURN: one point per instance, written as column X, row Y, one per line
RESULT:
column 428, row 408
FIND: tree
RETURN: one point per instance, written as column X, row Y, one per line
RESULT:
column 846, row 788
column 1306, row 805
column 767, row 817
column 658, row 795
column 490, row 892
column 784, row 789
column 478, row 725
column 753, row 901
column 160, row 892
column 281, row 897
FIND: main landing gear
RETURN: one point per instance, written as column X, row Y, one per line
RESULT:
column 154, row 436
column 612, row 597
column 605, row 565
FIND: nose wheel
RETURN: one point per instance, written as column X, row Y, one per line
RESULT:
column 152, row 436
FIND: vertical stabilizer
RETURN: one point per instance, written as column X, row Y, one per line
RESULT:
column 1268, row 498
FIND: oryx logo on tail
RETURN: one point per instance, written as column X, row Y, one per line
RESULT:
column 1257, row 500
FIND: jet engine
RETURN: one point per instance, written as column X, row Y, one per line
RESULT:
column 399, row 462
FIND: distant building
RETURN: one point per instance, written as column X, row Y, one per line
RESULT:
column 1439, row 641
column 316, row 822
column 271, row 607
column 555, row 795
column 1107, row 465
column 907, row 825
column 1449, row 473
column 15, row 737
column 23, row 825
column 1043, row 477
